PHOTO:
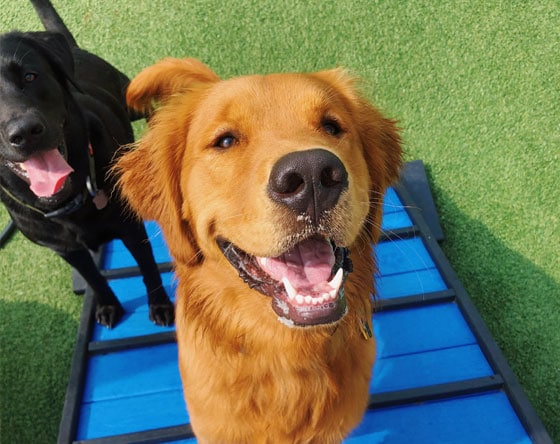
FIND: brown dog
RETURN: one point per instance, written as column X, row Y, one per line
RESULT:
column 263, row 185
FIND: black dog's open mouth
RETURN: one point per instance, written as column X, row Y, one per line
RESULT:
column 306, row 282
column 45, row 171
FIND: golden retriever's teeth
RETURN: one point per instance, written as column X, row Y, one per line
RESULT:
column 301, row 299
column 290, row 290
column 336, row 281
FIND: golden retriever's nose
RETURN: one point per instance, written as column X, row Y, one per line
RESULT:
column 308, row 182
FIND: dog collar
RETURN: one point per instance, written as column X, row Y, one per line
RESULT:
column 69, row 208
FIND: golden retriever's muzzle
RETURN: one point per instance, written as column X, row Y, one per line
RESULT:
column 306, row 282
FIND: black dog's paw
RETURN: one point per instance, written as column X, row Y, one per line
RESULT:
column 162, row 314
column 108, row 315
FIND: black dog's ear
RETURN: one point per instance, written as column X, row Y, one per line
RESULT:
column 54, row 47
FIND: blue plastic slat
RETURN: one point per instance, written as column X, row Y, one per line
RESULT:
column 394, row 214
column 391, row 202
column 132, row 372
column 133, row 297
column 406, row 268
column 394, row 221
column 132, row 414
column 409, row 284
column 414, row 351
column 401, row 256
column 154, row 230
column 131, row 391
column 429, row 368
column 420, row 330
column 481, row 419
column 117, row 255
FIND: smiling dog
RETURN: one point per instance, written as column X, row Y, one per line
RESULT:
column 269, row 192
column 62, row 117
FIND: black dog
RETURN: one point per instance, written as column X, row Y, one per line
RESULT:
column 63, row 116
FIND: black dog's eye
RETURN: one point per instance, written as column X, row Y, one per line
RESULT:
column 331, row 127
column 29, row 76
column 225, row 141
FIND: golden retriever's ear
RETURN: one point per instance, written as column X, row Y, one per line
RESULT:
column 149, row 178
column 167, row 77
column 149, row 174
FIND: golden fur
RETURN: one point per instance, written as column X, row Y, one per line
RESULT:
column 247, row 377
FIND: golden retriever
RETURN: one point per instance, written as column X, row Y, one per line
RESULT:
column 267, row 189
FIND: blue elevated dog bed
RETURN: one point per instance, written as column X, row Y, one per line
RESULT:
column 439, row 377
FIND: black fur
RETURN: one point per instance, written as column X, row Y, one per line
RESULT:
column 76, row 99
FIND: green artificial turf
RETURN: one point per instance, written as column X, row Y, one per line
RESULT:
column 476, row 89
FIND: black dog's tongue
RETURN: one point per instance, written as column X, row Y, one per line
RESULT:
column 47, row 172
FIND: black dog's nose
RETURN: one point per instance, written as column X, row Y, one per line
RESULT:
column 308, row 182
column 25, row 131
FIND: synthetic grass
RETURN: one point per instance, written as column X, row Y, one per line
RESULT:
column 475, row 86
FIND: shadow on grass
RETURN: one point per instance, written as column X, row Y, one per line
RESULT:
column 519, row 302
column 37, row 348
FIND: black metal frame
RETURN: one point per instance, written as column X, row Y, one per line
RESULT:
column 7, row 232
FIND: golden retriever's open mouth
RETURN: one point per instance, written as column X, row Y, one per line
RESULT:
column 306, row 282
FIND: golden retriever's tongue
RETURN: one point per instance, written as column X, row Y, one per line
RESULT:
column 309, row 264
column 47, row 172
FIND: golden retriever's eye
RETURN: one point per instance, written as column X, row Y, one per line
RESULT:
column 225, row 141
column 29, row 76
column 331, row 127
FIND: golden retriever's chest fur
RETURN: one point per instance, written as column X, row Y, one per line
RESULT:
column 250, row 379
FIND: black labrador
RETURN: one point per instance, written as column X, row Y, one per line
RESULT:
column 63, row 116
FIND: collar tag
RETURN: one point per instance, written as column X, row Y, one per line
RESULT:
column 100, row 199
column 365, row 329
